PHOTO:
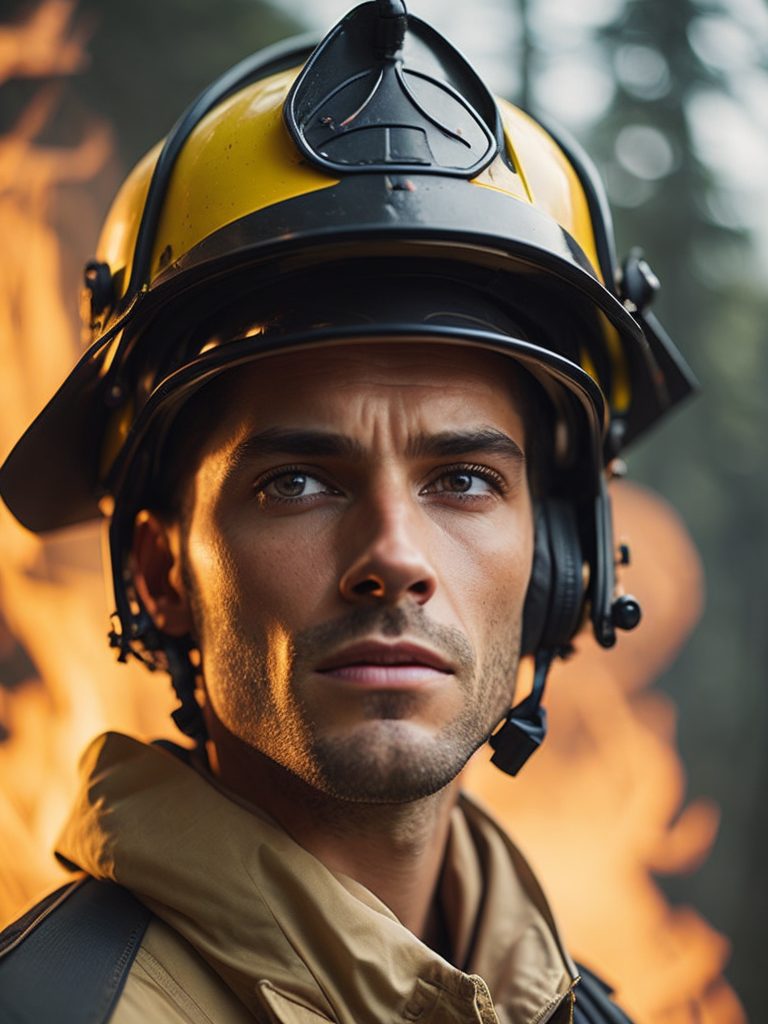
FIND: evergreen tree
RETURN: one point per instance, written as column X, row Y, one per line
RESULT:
column 709, row 460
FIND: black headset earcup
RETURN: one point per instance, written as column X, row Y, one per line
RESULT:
column 539, row 586
column 553, row 604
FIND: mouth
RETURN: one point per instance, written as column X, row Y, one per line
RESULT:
column 372, row 663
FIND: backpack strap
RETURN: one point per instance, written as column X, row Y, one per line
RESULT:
column 593, row 1004
column 66, row 961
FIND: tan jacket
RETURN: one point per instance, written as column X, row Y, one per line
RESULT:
column 250, row 926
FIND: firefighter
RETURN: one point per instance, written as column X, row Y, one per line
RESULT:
column 361, row 364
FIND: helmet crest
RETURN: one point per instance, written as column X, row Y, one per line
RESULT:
column 358, row 105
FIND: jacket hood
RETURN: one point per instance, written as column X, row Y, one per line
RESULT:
column 270, row 918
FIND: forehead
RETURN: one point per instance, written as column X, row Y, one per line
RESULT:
column 352, row 388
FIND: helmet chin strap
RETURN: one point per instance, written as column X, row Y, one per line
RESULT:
column 526, row 725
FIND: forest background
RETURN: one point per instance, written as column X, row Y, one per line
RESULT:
column 671, row 98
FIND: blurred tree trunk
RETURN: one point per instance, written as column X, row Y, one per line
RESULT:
column 527, row 50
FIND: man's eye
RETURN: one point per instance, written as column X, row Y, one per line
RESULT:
column 293, row 485
column 462, row 482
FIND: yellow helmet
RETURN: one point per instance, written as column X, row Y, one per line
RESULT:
column 369, row 188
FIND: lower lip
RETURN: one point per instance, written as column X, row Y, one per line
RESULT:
column 386, row 676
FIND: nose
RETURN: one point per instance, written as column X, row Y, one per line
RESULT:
column 389, row 561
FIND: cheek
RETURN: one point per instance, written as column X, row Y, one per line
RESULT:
column 271, row 574
column 487, row 569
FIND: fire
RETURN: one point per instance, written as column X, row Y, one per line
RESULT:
column 49, row 591
column 598, row 809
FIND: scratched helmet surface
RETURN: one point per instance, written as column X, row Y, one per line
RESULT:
column 376, row 165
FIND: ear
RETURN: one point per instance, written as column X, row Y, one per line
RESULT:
column 157, row 573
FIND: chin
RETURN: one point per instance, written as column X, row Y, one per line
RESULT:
column 389, row 762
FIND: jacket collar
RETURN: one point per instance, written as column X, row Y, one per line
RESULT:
column 274, row 922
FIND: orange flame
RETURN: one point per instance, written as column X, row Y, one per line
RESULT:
column 598, row 809
column 52, row 590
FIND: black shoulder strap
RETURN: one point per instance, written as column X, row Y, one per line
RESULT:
column 67, row 959
column 593, row 1004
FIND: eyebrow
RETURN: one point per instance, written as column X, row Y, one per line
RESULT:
column 322, row 443
column 484, row 441
column 276, row 441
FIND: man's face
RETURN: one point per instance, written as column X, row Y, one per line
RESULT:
column 356, row 548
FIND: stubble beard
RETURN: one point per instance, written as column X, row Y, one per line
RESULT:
column 388, row 761
column 385, row 764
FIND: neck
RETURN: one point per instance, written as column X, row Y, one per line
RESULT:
column 394, row 850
